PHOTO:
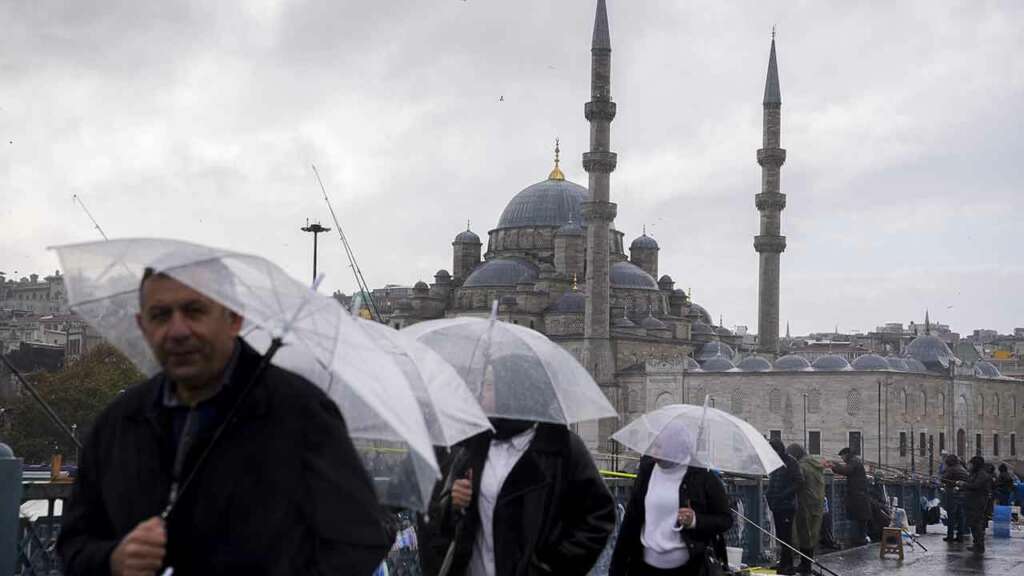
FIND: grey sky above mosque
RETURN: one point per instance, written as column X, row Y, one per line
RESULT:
column 200, row 120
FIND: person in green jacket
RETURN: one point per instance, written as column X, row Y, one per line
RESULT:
column 810, row 505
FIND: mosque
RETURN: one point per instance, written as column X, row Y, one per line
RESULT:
column 556, row 263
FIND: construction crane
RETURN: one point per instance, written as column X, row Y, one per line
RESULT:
column 356, row 271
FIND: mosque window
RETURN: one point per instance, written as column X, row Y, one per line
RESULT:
column 903, row 444
column 775, row 400
column 1013, row 443
column 1013, row 406
column 775, row 435
column 814, row 442
column 921, row 444
column 814, row 401
column 942, row 404
column 995, row 405
column 737, row 403
column 853, row 402
column 924, row 403
column 981, row 405
column 995, row 444
column 977, row 444
column 942, row 441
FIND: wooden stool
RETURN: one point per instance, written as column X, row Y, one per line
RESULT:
column 892, row 542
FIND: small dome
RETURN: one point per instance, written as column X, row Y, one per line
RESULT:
column 870, row 362
column 722, row 331
column 570, row 229
column 502, row 272
column 701, row 312
column 985, row 369
column 546, row 203
column 420, row 286
column 754, row 364
column 652, row 323
column 442, row 274
column 698, row 327
column 467, row 237
column 718, row 364
column 915, row 365
column 932, row 352
column 831, row 363
column 897, row 363
column 691, row 365
column 666, row 282
column 715, row 348
column 792, row 362
column 572, row 302
column 628, row 275
column 623, row 322
column 644, row 242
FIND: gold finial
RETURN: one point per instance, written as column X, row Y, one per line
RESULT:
column 556, row 173
column 575, row 288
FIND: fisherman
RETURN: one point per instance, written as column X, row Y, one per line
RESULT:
column 781, row 497
column 956, row 522
column 977, row 490
column 858, row 506
column 1004, row 485
column 266, row 481
column 810, row 505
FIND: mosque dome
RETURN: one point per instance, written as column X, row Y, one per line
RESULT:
column 691, row 365
column 831, row 363
column 897, row 363
column 420, row 286
column 700, row 327
column 792, row 362
column 754, row 364
column 467, row 237
column 932, row 352
column 652, row 323
column 715, row 348
column 551, row 202
column 502, row 272
column 666, row 282
column 702, row 313
column 985, row 369
column 722, row 331
column 644, row 242
column 914, row 365
column 572, row 302
column 718, row 364
column 871, row 362
column 628, row 275
column 623, row 322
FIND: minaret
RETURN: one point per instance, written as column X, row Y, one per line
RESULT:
column 598, row 212
column 769, row 244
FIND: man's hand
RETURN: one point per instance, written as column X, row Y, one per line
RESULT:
column 141, row 552
column 462, row 491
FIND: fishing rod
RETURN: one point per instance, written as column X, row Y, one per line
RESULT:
column 89, row 214
column 773, row 537
column 356, row 271
column 39, row 399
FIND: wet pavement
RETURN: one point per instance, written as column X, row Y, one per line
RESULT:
column 1002, row 556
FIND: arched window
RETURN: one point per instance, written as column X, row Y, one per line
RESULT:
column 924, row 403
column 853, row 402
column 995, row 405
column 906, row 402
column 981, row 404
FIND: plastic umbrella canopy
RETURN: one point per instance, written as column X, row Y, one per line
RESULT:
column 726, row 443
column 451, row 412
column 321, row 342
column 515, row 372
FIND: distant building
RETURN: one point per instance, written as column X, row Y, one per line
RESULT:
column 32, row 295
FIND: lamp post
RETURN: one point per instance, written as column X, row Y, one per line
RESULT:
column 316, row 230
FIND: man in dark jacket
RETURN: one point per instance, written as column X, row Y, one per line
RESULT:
column 1004, row 485
column 858, row 506
column 549, row 509
column 266, row 481
column 978, row 490
column 956, row 522
column 781, row 497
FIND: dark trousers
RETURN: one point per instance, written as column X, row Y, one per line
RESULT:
column 956, row 520
column 784, row 532
column 978, row 535
column 858, row 532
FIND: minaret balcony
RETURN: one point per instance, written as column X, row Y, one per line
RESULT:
column 599, row 110
column 598, row 211
column 770, row 244
column 771, row 156
column 602, row 162
column 770, row 201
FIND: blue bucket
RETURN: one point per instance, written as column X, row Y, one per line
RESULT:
column 1001, row 522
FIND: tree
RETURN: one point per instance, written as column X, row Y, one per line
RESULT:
column 78, row 394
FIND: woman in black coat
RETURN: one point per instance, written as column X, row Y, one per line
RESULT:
column 702, row 516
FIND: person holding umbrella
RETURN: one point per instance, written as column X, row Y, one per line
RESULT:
column 262, row 475
column 781, row 496
column 676, row 515
column 527, row 498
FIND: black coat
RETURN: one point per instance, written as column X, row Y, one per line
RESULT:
column 553, row 515
column 858, row 506
column 978, row 490
column 707, row 498
column 782, row 487
column 282, row 491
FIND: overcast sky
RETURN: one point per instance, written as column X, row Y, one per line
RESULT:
column 199, row 120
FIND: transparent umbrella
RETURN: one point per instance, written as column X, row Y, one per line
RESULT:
column 515, row 372
column 320, row 341
column 700, row 436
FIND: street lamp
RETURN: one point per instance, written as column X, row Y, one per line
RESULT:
column 316, row 230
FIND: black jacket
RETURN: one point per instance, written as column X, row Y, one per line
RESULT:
column 782, row 487
column 553, row 515
column 282, row 491
column 707, row 498
column 1004, row 484
column 978, row 490
column 858, row 506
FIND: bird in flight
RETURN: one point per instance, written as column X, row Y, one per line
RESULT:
column 501, row 99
